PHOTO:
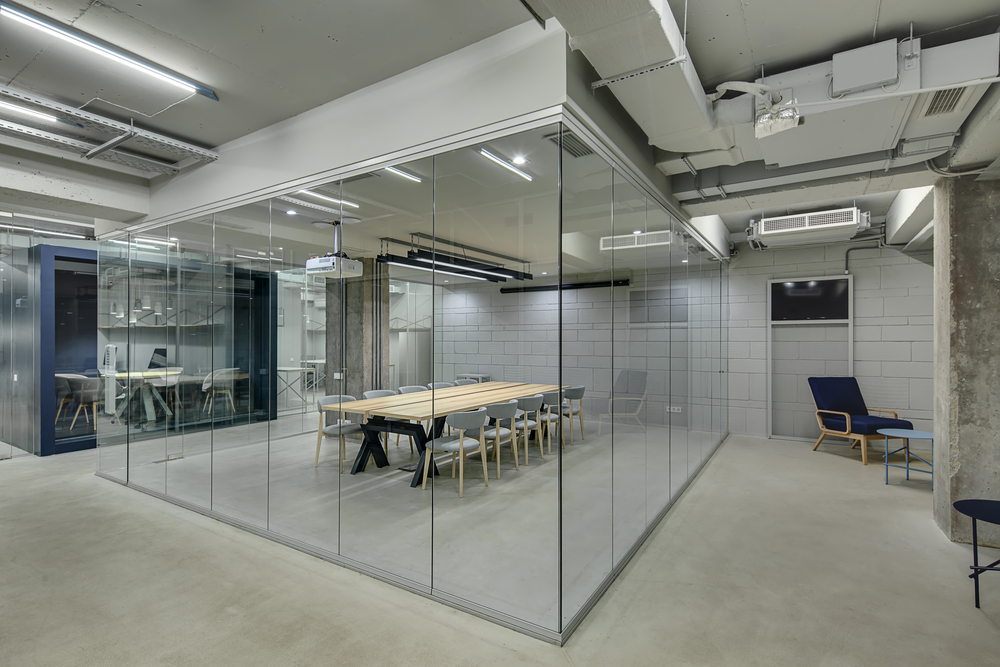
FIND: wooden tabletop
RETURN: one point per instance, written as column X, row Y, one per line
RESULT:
column 422, row 405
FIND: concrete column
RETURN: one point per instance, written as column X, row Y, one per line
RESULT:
column 966, row 351
column 351, row 331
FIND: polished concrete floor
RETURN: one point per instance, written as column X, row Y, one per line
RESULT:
column 776, row 555
column 263, row 475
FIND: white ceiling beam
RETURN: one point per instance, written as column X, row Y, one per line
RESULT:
column 910, row 212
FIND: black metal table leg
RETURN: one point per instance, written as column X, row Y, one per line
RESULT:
column 370, row 446
column 975, row 560
column 418, row 472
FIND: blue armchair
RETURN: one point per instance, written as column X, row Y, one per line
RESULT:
column 841, row 412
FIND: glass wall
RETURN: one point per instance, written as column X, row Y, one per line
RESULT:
column 307, row 401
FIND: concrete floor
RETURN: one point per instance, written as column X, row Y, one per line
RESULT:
column 775, row 556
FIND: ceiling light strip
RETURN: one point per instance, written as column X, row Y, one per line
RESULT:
column 309, row 204
column 89, row 44
column 45, row 232
column 503, row 163
column 438, row 262
column 400, row 172
column 343, row 202
column 29, row 112
column 432, row 270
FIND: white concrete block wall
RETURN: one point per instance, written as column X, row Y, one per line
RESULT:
column 893, row 334
column 515, row 337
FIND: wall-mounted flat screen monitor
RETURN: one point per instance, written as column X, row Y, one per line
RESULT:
column 810, row 300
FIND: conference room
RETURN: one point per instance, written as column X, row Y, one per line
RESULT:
column 482, row 374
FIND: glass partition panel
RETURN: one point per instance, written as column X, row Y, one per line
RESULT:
column 147, row 383
column 497, row 219
column 630, row 391
column 189, row 313
column 586, row 360
column 650, row 324
column 239, row 316
column 114, row 310
column 387, row 221
column 679, row 416
column 6, row 346
column 703, row 277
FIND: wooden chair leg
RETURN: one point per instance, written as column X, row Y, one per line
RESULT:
column 461, row 470
column 541, row 442
column 453, row 465
column 548, row 435
column 570, row 425
column 821, row 436
column 77, row 414
column 319, row 438
column 397, row 440
column 864, row 450
column 513, row 449
column 482, row 455
column 583, row 435
column 525, row 431
column 410, row 438
column 427, row 465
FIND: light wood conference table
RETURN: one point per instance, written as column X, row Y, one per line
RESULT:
column 392, row 414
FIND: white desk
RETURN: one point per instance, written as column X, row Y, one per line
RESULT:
column 285, row 374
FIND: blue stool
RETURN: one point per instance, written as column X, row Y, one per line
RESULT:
column 907, row 434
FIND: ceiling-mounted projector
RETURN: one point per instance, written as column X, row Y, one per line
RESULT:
column 824, row 226
column 333, row 266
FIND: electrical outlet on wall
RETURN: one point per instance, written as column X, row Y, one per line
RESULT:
column 675, row 408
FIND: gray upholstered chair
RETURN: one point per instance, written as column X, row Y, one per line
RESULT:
column 502, row 412
column 64, row 395
column 459, row 383
column 546, row 417
column 628, row 395
column 569, row 410
column 529, row 406
column 86, row 392
column 340, row 428
column 440, row 385
column 460, row 445
column 413, row 388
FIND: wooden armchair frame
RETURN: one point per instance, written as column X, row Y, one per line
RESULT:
column 859, row 439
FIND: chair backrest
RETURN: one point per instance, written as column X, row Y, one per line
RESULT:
column 574, row 393
column 333, row 399
column 530, row 403
column 459, row 383
column 467, row 421
column 550, row 398
column 218, row 376
column 838, row 393
column 501, row 411
column 63, row 388
column 378, row 393
column 89, row 390
column 440, row 385
column 630, row 384
column 412, row 389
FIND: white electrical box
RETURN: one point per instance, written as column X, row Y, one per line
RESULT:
column 865, row 68
column 334, row 267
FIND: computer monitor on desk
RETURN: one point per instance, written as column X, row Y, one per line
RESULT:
column 158, row 358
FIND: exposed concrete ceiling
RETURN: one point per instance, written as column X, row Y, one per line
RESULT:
column 267, row 61
column 730, row 40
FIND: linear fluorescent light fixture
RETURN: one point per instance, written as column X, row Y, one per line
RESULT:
column 154, row 241
column 437, row 262
column 400, row 172
column 623, row 282
column 335, row 201
column 407, row 263
column 42, row 231
column 503, row 163
column 445, row 259
column 29, row 112
column 93, row 46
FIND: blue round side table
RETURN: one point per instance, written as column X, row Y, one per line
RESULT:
column 907, row 434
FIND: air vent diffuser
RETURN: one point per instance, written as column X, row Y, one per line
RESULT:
column 571, row 143
column 625, row 241
column 944, row 101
